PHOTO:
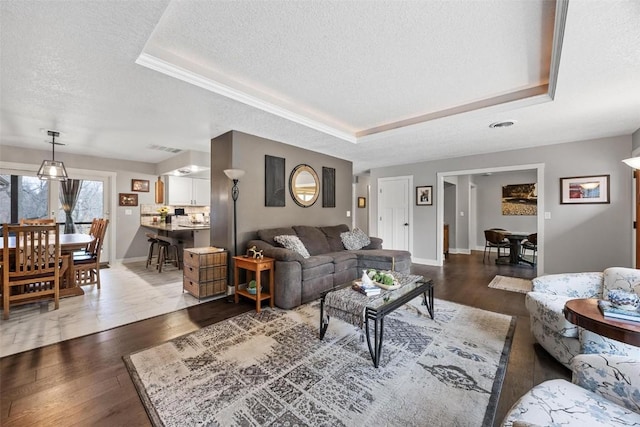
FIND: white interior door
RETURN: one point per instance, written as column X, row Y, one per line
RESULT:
column 393, row 212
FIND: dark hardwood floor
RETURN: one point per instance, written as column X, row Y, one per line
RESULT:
column 84, row 381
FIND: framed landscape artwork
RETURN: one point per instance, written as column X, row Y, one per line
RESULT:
column 424, row 195
column 128, row 199
column 520, row 199
column 584, row 190
column 140, row 185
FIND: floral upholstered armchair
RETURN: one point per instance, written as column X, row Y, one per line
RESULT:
column 564, row 340
column 605, row 391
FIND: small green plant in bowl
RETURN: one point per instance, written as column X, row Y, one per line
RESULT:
column 251, row 287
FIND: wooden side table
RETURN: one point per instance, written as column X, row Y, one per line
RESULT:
column 584, row 312
column 256, row 266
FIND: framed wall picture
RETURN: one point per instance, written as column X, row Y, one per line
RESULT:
column 362, row 202
column 141, row 185
column 584, row 190
column 128, row 199
column 328, row 187
column 274, row 191
column 520, row 199
column 424, row 195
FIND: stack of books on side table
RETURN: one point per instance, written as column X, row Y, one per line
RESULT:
column 614, row 313
column 365, row 288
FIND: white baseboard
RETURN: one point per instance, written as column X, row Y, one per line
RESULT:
column 425, row 261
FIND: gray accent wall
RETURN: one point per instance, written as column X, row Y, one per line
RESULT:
column 237, row 150
column 361, row 215
column 635, row 141
column 576, row 237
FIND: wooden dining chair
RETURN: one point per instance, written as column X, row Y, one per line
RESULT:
column 530, row 244
column 494, row 238
column 86, row 267
column 37, row 221
column 31, row 267
column 93, row 231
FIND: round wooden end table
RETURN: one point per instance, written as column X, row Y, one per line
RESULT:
column 585, row 313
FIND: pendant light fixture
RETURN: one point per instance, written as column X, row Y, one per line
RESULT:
column 52, row 170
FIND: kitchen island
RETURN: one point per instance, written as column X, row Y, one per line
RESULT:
column 187, row 236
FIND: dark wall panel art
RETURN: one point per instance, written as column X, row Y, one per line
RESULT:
column 274, row 182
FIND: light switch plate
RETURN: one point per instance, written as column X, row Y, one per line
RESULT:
column 348, row 214
column 128, row 211
column 547, row 215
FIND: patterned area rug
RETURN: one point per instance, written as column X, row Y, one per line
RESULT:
column 513, row 284
column 271, row 369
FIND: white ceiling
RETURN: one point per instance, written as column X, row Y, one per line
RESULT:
column 374, row 82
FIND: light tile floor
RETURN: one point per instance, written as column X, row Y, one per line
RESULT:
column 128, row 293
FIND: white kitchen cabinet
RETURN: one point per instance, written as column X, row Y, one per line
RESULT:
column 188, row 191
column 201, row 192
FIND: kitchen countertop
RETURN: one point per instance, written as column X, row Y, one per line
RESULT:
column 176, row 227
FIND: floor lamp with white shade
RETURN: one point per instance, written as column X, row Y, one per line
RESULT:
column 234, row 175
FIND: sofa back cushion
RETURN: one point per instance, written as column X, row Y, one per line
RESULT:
column 333, row 236
column 268, row 234
column 313, row 239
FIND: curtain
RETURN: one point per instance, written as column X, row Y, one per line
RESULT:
column 68, row 198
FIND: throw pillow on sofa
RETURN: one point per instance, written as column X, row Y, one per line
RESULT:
column 292, row 243
column 354, row 240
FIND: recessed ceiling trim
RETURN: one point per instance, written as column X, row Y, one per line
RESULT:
column 559, row 25
column 180, row 73
column 530, row 93
column 522, row 98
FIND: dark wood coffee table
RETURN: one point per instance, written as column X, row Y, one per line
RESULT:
column 357, row 309
column 584, row 312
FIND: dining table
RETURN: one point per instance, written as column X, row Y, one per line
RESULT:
column 69, row 243
column 515, row 248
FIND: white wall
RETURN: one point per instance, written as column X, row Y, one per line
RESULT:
column 577, row 237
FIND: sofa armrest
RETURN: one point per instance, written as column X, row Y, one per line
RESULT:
column 277, row 253
column 627, row 279
column 616, row 378
column 376, row 243
column 576, row 285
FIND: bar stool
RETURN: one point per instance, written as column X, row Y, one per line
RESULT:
column 168, row 254
column 153, row 242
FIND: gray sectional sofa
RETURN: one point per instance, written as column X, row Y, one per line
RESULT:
column 299, row 280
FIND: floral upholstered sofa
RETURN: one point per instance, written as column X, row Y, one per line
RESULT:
column 605, row 391
column 562, row 339
column 310, row 260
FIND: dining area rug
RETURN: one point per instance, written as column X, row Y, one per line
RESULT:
column 271, row 368
column 513, row 284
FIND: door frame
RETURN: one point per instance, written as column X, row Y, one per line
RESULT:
column 410, row 202
column 539, row 167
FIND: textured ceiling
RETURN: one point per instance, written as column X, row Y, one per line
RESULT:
column 318, row 75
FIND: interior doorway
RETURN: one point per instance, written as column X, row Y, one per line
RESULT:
column 471, row 203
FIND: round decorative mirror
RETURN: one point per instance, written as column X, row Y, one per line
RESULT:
column 304, row 185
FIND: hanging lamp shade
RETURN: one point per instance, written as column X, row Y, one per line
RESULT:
column 52, row 170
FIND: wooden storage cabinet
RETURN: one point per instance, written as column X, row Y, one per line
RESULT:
column 205, row 271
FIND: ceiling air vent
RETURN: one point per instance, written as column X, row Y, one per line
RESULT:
column 163, row 148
